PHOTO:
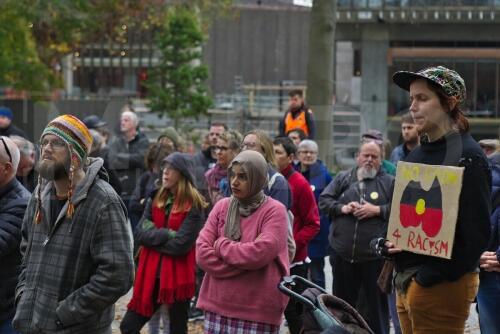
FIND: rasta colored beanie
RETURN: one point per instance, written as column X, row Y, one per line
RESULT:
column 74, row 133
column 79, row 141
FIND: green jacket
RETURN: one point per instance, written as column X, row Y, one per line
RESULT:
column 389, row 167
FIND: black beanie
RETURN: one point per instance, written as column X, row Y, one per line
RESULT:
column 183, row 163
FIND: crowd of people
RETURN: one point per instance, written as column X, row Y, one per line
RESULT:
column 86, row 215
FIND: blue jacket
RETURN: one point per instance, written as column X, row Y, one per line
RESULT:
column 13, row 201
column 398, row 154
column 494, row 244
column 318, row 177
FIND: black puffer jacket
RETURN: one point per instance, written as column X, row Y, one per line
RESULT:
column 13, row 201
column 349, row 237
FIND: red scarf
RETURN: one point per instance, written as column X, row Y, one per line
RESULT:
column 177, row 273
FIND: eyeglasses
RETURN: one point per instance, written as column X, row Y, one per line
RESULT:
column 308, row 152
column 6, row 149
column 221, row 148
column 56, row 144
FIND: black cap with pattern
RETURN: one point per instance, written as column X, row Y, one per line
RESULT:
column 451, row 82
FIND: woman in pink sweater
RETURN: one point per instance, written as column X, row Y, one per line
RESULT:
column 243, row 250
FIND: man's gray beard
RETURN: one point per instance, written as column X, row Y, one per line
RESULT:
column 366, row 173
column 53, row 171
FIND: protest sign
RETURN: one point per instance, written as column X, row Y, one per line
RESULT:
column 424, row 208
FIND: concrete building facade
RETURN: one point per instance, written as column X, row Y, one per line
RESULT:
column 267, row 44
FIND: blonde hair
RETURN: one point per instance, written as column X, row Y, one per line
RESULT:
column 266, row 145
column 233, row 139
column 187, row 196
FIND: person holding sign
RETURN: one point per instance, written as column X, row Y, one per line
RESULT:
column 358, row 204
column 434, row 294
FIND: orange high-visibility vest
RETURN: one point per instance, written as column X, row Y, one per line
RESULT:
column 296, row 123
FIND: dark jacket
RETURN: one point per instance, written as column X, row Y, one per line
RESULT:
column 494, row 243
column 349, row 237
column 145, row 187
column 29, row 181
column 278, row 188
column 202, row 162
column 159, row 239
column 473, row 222
column 114, row 181
column 76, row 270
column 318, row 177
column 127, row 160
column 399, row 153
column 13, row 130
column 13, row 201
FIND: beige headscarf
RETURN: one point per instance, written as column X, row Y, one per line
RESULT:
column 255, row 166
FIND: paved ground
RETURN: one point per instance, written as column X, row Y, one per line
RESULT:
column 472, row 326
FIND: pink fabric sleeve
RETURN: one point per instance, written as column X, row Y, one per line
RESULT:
column 205, row 252
column 264, row 249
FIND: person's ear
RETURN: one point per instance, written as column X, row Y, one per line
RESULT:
column 10, row 166
column 452, row 102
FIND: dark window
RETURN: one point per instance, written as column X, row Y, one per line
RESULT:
column 486, row 88
column 357, row 63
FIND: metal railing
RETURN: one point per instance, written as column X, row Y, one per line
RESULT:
column 407, row 4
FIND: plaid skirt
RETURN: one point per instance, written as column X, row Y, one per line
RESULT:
column 218, row 324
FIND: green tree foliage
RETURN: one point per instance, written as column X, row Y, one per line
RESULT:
column 177, row 85
column 37, row 34
column 20, row 66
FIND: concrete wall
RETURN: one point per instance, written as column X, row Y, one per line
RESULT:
column 263, row 46
column 374, row 83
column 344, row 74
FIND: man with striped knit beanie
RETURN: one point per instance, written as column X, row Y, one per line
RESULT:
column 76, row 241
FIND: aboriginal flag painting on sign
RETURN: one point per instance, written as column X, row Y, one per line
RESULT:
column 424, row 208
column 420, row 207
